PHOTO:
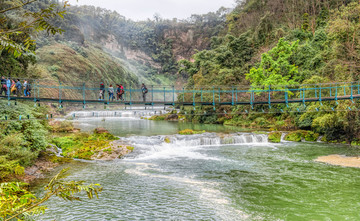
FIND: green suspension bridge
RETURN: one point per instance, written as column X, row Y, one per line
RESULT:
column 82, row 93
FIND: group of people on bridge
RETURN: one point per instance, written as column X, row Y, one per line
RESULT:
column 119, row 91
column 15, row 87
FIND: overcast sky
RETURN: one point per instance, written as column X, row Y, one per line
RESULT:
column 143, row 9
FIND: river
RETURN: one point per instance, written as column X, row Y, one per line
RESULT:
column 214, row 176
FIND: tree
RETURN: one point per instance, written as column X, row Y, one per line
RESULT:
column 275, row 67
column 38, row 20
column 16, row 202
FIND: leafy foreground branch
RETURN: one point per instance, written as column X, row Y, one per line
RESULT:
column 17, row 203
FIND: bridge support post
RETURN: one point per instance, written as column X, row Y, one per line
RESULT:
column 352, row 95
column 233, row 99
column 164, row 94
column 320, row 95
column 194, row 97
column 152, row 96
column 84, row 96
column 130, row 96
column 214, row 98
column 183, row 95
column 304, row 91
column 173, row 87
column 286, row 97
column 252, row 99
column 60, row 95
column 336, row 92
column 269, row 101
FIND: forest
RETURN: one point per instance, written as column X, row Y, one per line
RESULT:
column 285, row 42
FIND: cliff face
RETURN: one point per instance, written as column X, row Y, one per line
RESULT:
column 186, row 42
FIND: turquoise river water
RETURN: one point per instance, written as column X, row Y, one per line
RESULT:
column 228, row 175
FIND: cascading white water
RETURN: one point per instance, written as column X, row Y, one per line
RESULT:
column 176, row 146
column 123, row 113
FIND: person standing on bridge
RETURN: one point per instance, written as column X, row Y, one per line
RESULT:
column 13, row 87
column 118, row 92
column 8, row 86
column 18, row 88
column 111, row 93
column 121, row 92
column 25, row 84
column 102, row 92
column 144, row 91
column 3, row 85
column 28, row 90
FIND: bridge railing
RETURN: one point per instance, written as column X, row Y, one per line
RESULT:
column 56, row 91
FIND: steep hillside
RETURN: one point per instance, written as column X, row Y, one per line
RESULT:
column 285, row 42
column 149, row 49
column 72, row 63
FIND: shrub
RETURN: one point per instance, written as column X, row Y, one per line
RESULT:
column 275, row 137
column 62, row 126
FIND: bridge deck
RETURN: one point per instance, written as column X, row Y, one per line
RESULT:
column 167, row 103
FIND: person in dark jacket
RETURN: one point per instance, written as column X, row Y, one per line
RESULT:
column 3, row 85
column 28, row 89
column 18, row 88
column 144, row 91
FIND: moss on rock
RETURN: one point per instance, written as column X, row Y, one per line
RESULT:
column 298, row 136
column 190, row 132
column 275, row 137
column 84, row 146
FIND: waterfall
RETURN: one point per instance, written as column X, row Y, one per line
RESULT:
column 187, row 146
column 123, row 113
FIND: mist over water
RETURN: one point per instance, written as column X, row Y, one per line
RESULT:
column 212, row 176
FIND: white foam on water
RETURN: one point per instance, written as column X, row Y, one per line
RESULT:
column 187, row 146
column 206, row 191
column 116, row 113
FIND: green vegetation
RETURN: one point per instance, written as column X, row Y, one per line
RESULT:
column 167, row 140
column 300, row 135
column 18, row 203
column 157, row 117
column 130, row 148
column 17, row 19
column 20, row 141
column 275, row 137
column 62, row 126
column 83, row 145
column 272, row 43
column 190, row 132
